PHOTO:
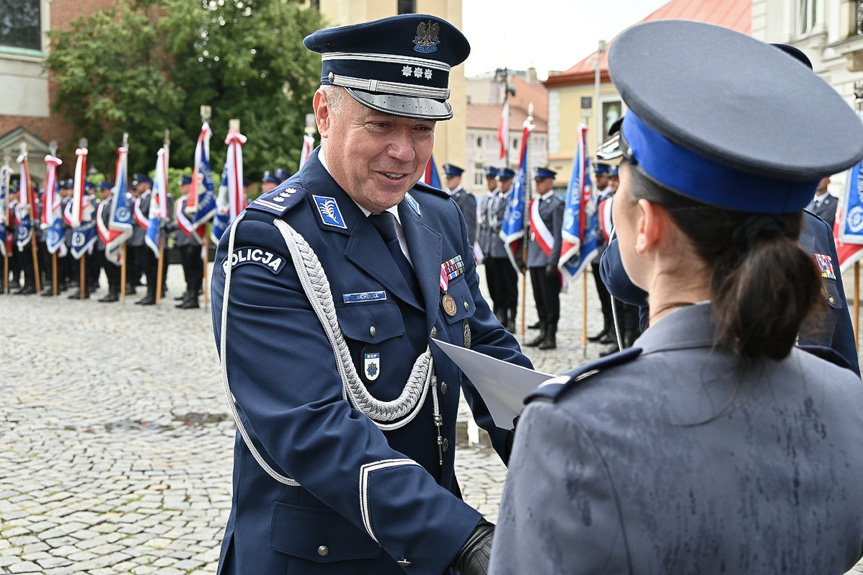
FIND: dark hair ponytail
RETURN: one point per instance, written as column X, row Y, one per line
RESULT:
column 763, row 285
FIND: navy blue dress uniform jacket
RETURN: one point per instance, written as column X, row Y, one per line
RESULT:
column 467, row 202
column 367, row 498
column 678, row 460
column 829, row 329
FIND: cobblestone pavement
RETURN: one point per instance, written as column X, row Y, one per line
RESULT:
column 115, row 455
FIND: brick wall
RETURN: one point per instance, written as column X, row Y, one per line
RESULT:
column 53, row 128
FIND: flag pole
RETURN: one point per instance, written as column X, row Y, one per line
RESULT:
column 526, row 225
column 123, row 249
column 159, row 279
column 858, row 104
column 206, row 114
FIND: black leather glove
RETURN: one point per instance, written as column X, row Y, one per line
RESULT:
column 551, row 271
column 475, row 554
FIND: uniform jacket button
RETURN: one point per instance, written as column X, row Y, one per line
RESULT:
column 323, row 550
column 372, row 331
column 445, row 443
column 443, row 388
column 434, row 332
column 466, row 306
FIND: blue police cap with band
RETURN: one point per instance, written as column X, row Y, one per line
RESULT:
column 544, row 173
column 398, row 65
column 491, row 172
column 506, row 173
column 141, row 179
column 185, row 180
column 105, row 186
column 452, row 170
column 601, row 169
column 727, row 120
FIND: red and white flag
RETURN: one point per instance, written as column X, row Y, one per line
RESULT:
column 308, row 146
column 503, row 130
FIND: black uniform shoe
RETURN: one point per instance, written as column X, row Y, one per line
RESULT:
column 77, row 295
column 48, row 292
column 191, row 303
column 608, row 351
column 536, row 325
column 130, row 289
column 183, row 296
column 147, row 300
column 610, row 337
column 111, row 297
column 26, row 290
column 14, row 285
column 600, row 335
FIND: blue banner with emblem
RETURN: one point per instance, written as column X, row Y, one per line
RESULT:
column 579, row 217
column 512, row 228
column 201, row 205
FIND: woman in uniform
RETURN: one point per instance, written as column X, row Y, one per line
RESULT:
column 713, row 445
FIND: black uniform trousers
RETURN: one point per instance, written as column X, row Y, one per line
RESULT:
column 546, row 295
column 193, row 268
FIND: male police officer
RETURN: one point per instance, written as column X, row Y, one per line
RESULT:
column 188, row 241
column 326, row 296
column 543, row 253
column 465, row 200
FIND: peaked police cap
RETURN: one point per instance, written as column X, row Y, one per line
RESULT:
column 398, row 65
column 728, row 120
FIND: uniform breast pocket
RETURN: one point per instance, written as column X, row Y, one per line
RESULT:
column 320, row 541
column 461, row 305
column 371, row 322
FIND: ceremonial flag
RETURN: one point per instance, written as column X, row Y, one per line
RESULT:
column 503, row 129
column 52, row 216
column 201, row 205
column 430, row 175
column 579, row 217
column 5, row 216
column 308, row 146
column 512, row 229
column 84, row 235
column 158, row 202
column 848, row 227
column 120, row 217
column 185, row 224
column 78, row 190
column 26, row 204
column 232, row 198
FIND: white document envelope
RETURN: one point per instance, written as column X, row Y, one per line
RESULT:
column 503, row 386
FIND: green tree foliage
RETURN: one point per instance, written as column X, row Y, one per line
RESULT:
column 148, row 65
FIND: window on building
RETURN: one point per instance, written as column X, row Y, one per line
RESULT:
column 478, row 174
column 21, row 24
column 407, row 6
column 807, row 16
column 479, row 142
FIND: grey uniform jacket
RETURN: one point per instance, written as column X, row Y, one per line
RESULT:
column 492, row 211
column 551, row 213
column 467, row 202
column 679, row 461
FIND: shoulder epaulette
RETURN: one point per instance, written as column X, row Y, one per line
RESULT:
column 552, row 388
column 423, row 187
column 278, row 200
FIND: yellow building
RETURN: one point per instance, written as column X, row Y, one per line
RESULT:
column 450, row 136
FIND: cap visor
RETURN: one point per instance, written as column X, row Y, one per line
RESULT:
column 419, row 108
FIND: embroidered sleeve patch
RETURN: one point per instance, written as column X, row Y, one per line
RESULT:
column 255, row 255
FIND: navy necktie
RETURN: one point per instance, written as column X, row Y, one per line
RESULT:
column 385, row 223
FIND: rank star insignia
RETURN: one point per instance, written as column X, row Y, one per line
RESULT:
column 407, row 71
column 418, row 72
column 428, row 74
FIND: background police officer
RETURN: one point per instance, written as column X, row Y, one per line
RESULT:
column 543, row 254
column 465, row 200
